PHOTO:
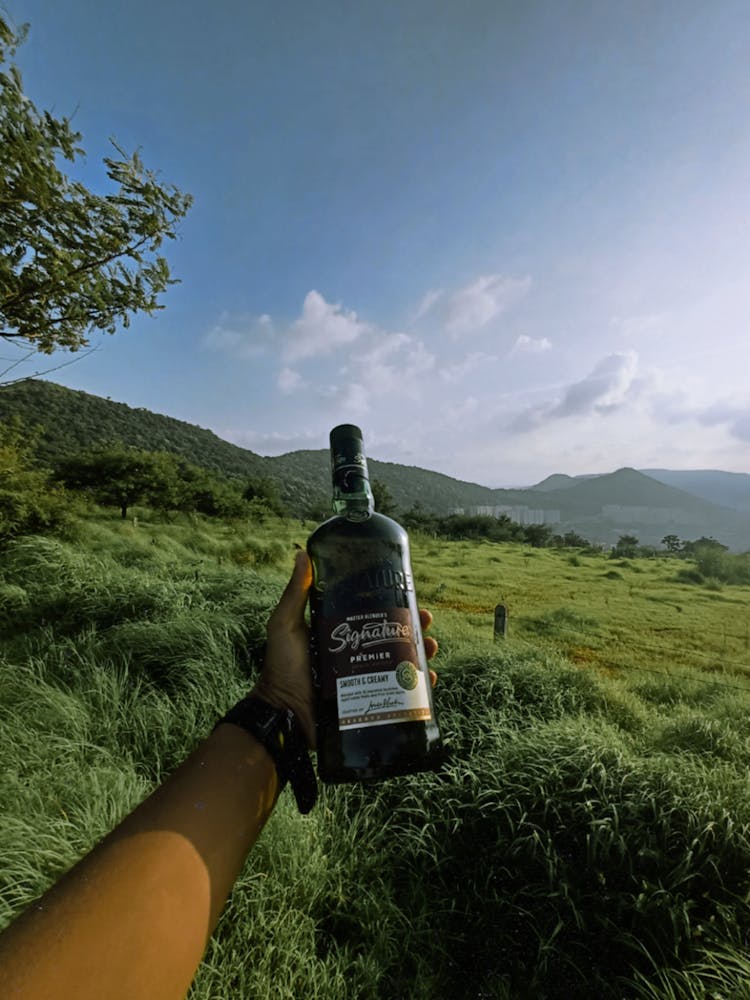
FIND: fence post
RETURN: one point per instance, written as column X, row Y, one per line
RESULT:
column 501, row 622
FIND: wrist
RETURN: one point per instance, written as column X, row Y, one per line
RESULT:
column 277, row 730
column 285, row 701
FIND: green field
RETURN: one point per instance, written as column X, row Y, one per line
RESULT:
column 589, row 839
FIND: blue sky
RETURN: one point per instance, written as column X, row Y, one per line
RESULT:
column 506, row 238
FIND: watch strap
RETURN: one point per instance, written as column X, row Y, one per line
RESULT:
column 278, row 730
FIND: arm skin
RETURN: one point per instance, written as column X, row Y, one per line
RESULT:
column 133, row 918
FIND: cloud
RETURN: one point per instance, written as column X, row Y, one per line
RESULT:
column 605, row 388
column 740, row 426
column 346, row 397
column 321, row 328
column 389, row 364
column 736, row 416
column 474, row 306
column 428, row 302
column 241, row 337
column 678, row 408
column 640, row 326
column 608, row 387
column 289, row 380
column 471, row 363
column 532, row 345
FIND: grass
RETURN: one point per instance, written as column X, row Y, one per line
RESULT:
column 590, row 837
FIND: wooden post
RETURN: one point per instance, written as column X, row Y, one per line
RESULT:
column 501, row 622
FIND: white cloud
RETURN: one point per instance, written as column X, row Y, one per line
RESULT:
column 532, row 345
column 428, row 302
column 609, row 386
column 346, row 398
column 322, row 327
column 391, row 364
column 382, row 346
column 736, row 416
column 241, row 337
column 470, row 308
column 606, row 387
column 639, row 327
column 289, row 380
column 740, row 426
column 471, row 363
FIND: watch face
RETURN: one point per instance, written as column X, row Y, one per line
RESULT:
column 267, row 719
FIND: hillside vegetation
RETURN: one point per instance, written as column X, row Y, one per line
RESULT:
column 72, row 421
column 600, row 508
column 590, row 837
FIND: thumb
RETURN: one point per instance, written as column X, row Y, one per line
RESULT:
column 291, row 607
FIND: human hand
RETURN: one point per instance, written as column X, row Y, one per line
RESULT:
column 286, row 678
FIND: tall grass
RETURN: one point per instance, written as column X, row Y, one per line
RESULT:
column 589, row 838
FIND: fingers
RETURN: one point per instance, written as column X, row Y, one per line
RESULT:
column 430, row 645
column 291, row 607
column 425, row 619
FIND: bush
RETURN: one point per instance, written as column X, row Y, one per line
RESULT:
column 29, row 502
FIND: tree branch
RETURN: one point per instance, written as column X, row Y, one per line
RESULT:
column 47, row 371
column 16, row 297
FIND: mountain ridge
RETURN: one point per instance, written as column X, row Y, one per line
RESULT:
column 601, row 507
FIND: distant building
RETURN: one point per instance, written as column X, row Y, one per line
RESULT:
column 519, row 514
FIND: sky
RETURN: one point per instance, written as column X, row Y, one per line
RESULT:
column 506, row 238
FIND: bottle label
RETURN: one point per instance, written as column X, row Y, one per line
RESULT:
column 373, row 664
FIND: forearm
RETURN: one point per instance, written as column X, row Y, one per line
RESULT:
column 132, row 919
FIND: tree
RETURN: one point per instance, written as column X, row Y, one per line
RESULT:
column 265, row 490
column 384, row 502
column 201, row 491
column 419, row 519
column 626, row 548
column 537, row 535
column 571, row 539
column 72, row 261
column 119, row 477
column 29, row 504
column 672, row 543
column 703, row 544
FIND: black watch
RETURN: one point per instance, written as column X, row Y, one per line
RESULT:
column 278, row 730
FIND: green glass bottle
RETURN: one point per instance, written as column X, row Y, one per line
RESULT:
column 376, row 717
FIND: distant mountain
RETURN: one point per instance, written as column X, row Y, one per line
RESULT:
column 729, row 489
column 601, row 508
column 625, row 488
column 557, row 481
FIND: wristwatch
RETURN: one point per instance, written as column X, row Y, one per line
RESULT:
column 278, row 730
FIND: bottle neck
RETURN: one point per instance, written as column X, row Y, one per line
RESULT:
column 352, row 496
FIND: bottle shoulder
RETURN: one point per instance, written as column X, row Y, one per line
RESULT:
column 375, row 526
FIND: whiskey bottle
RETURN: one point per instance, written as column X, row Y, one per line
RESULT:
column 376, row 717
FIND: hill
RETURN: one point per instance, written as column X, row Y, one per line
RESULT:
column 730, row 489
column 72, row 420
column 599, row 507
column 624, row 488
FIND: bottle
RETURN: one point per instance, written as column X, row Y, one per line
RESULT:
column 376, row 717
